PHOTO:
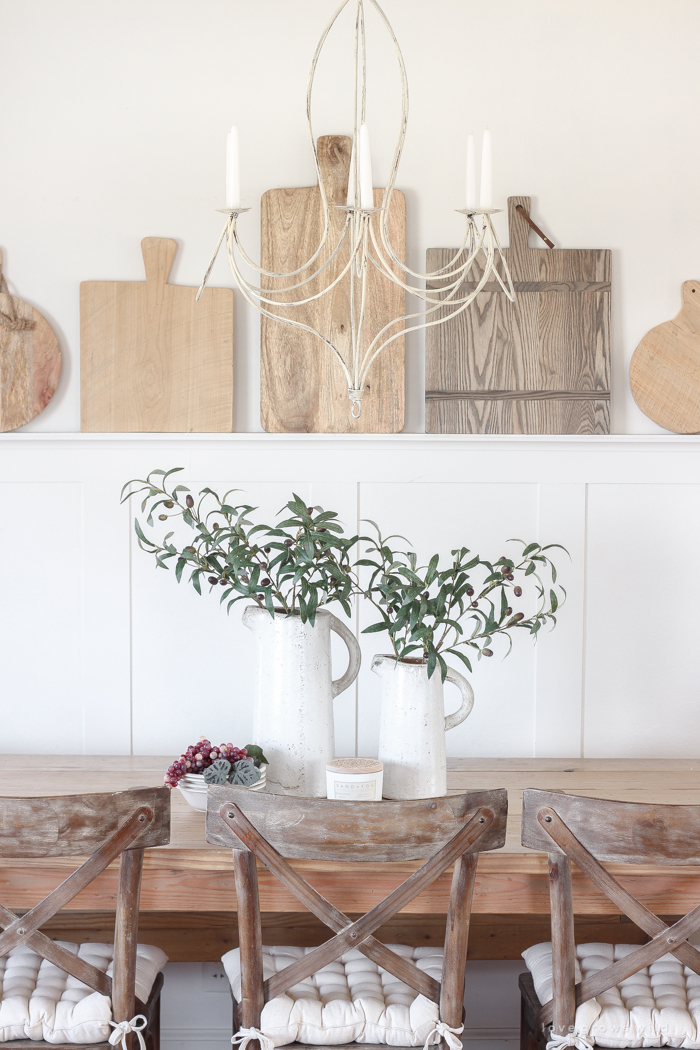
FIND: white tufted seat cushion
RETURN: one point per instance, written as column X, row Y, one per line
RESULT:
column 351, row 1000
column 40, row 1001
column 659, row 1006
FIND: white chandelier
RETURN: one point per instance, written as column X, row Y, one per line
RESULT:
column 370, row 247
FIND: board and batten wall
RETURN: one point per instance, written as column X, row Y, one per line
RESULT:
column 101, row 653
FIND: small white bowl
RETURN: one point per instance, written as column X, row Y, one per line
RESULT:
column 194, row 789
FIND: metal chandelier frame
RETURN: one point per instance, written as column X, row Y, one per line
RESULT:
column 367, row 251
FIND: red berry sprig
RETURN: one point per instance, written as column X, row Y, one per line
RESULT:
column 199, row 757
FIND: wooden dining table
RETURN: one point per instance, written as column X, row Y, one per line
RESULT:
column 188, row 898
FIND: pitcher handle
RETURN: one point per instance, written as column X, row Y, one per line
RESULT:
column 341, row 684
column 467, row 699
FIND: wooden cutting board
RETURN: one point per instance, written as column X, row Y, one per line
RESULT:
column 152, row 360
column 540, row 365
column 302, row 387
column 30, row 361
column 665, row 368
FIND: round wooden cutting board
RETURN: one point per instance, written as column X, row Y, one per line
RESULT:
column 30, row 362
column 665, row 368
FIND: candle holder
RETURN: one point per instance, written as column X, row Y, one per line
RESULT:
column 370, row 249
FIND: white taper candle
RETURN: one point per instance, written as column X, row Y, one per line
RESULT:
column 486, row 200
column 366, row 190
column 471, row 172
column 233, row 170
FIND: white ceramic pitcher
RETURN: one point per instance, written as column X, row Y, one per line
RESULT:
column 293, row 714
column 413, row 725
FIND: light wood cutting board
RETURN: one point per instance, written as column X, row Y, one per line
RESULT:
column 540, row 365
column 30, row 362
column 302, row 388
column 665, row 368
column 152, row 360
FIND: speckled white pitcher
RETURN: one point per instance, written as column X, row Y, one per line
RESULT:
column 413, row 725
column 293, row 714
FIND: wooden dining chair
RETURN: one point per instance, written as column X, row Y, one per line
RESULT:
column 102, row 827
column 274, row 829
column 591, row 832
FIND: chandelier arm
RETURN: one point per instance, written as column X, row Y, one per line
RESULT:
column 210, row 267
column 291, row 273
column 257, row 292
column 420, row 293
column 510, row 291
column 282, row 276
column 370, row 356
column 361, row 321
column 286, row 320
column 443, row 271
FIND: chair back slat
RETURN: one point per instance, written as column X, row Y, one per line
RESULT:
column 319, row 829
column 617, row 832
column 77, row 825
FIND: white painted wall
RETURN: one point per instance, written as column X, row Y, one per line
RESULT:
column 115, row 114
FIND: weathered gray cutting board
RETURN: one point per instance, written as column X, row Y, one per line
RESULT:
column 540, row 365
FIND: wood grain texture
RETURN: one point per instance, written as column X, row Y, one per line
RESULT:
column 320, row 829
column 665, row 368
column 302, row 388
column 152, row 360
column 190, row 875
column 546, row 356
column 30, row 364
column 563, row 943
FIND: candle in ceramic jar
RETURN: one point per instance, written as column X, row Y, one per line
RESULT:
column 366, row 190
column 233, row 170
column 486, row 173
column 471, row 173
column 355, row 779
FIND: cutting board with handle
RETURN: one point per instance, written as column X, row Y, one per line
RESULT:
column 30, row 360
column 302, row 387
column 665, row 368
column 540, row 365
column 152, row 360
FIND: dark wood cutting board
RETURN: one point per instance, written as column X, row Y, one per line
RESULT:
column 540, row 365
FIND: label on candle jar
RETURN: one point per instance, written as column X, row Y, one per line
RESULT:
column 349, row 789
column 354, row 779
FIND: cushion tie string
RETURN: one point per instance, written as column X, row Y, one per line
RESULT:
column 572, row 1038
column 247, row 1035
column 124, row 1028
column 450, row 1035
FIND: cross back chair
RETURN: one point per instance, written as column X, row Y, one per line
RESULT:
column 105, row 826
column 271, row 828
column 589, row 831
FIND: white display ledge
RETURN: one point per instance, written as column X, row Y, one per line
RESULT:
column 365, row 442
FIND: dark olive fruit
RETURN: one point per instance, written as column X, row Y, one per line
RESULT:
column 510, row 576
column 190, row 550
column 425, row 594
column 216, row 526
column 519, row 616
column 261, row 597
column 486, row 652
column 162, row 517
column 224, row 583
column 323, row 530
column 509, row 611
column 309, row 510
column 505, row 569
column 190, row 502
column 267, row 549
column 470, row 591
column 475, row 605
column 517, row 591
column 213, row 579
column 288, row 543
column 265, row 582
column 169, row 504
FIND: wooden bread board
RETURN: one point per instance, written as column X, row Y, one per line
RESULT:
column 540, row 365
column 152, row 360
column 30, row 362
column 302, row 387
column 665, row 368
